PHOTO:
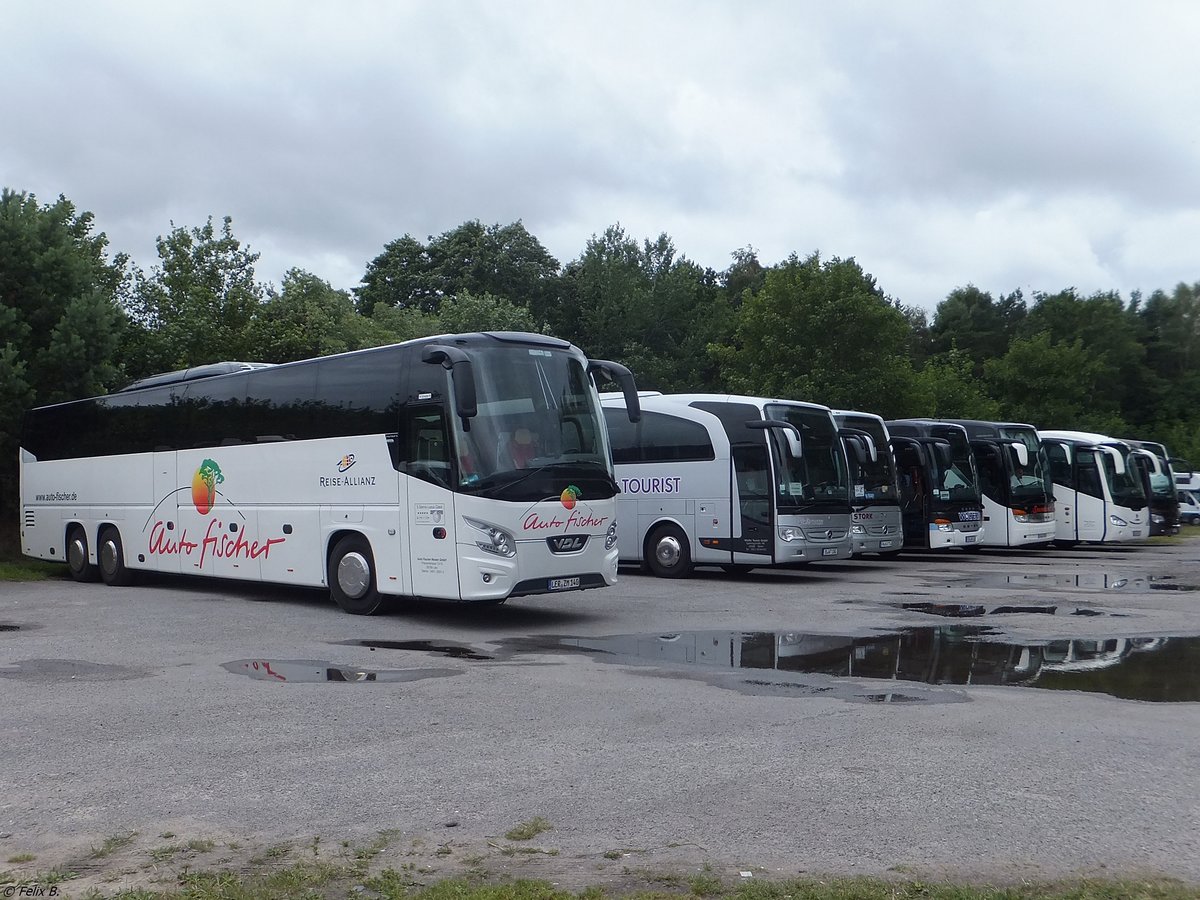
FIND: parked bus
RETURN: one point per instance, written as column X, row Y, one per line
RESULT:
column 461, row 467
column 939, row 488
column 737, row 482
column 1154, row 467
column 875, row 522
column 1014, row 481
column 1098, row 496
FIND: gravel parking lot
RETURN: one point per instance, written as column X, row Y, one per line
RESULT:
column 867, row 717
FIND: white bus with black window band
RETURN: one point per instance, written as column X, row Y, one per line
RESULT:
column 468, row 467
column 731, row 481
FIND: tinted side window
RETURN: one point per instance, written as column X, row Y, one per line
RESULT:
column 282, row 403
column 1089, row 473
column 658, row 437
column 358, row 394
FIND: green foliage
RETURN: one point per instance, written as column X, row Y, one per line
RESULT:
column 643, row 306
column 947, row 388
column 822, row 332
column 506, row 261
column 306, row 318
column 469, row 312
column 197, row 306
column 971, row 321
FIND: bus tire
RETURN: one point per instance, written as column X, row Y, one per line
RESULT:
column 77, row 556
column 668, row 553
column 111, row 554
column 352, row 576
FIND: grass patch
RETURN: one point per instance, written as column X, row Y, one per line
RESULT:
column 201, row 846
column 20, row 569
column 21, row 858
column 112, row 844
column 527, row 831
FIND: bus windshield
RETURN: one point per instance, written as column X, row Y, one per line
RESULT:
column 538, row 412
column 1125, row 487
column 874, row 481
column 818, row 476
column 956, row 481
column 1030, row 482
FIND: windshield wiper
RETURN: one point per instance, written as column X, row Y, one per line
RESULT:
column 525, row 474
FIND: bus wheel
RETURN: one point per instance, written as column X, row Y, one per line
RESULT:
column 77, row 556
column 111, row 554
column 352, row 577
column 669, row 555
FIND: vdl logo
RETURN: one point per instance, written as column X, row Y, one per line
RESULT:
column 346, row 462
column 204, row 486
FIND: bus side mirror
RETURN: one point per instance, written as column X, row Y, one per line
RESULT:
column 863, row 440
column 790, row 432
column 1117, row 458
column 1022, row 453
column 615, row 372
column 462, row 373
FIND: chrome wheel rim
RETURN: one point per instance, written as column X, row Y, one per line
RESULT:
column 354, row 575
column 77, row 554
column 668, row 551
column 108, row 556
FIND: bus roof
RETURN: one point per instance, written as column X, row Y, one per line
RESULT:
column 616, row 399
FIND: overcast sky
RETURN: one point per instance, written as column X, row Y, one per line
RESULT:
column 1033, row 145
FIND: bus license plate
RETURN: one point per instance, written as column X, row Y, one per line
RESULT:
column 829, row 551
column 970, row 539
column 1137, row 534
column 883, row 545
column 564, row 584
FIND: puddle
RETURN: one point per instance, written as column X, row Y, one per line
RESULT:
column 1154, row 669
column 68, row 670
column 441, row 648
column 308, row 671
column 6, row 627
column 974, row 610
column 1095, row 581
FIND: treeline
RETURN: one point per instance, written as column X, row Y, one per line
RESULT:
column 75, row 322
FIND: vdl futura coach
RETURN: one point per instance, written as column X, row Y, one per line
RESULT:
column 939, row 487
column 1014, row 480
column 737, row 482
column 460, row 467
column 1098, row 494
column 875, row 522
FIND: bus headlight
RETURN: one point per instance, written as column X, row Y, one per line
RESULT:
column 1157, row 519
column 499, row 541
column 1118, row 521
column 857, row 529
column 610, row 539
column 944, row 524
column 790, row 533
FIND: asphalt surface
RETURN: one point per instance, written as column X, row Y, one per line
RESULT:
column 142, row 710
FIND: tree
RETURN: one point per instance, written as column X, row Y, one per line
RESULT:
column 822, row 332
column 469, row 312
column 307, row 317
column 644, row 306
column 972, row 321
column 198, row 305
column 947, row 388
column 1054, row 384
column 60, row 321
column 506, row 261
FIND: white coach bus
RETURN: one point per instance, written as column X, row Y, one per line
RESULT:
column 731, row 481
column 1097, row 493
column 460, row 467
column 876, row 525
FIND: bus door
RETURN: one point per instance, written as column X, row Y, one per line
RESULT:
column 752, row 514
column 752, row 482
column 914, row 490
column 431, row 551
column 994, row 486
column 1091, row 508
column 162, row 529
column 1063, row 478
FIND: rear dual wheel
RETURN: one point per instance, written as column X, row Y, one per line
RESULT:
column 78, row 565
